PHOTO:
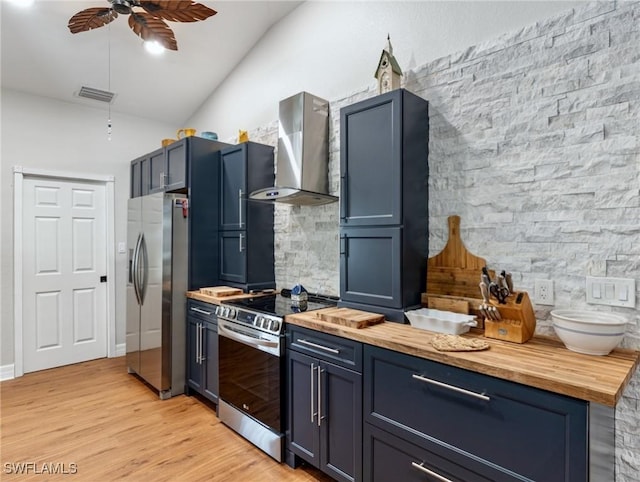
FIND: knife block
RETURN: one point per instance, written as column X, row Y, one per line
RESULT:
column 518, row 321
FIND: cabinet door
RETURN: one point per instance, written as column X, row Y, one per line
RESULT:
column 302, row 393
column 340, row 391
column 145, row 176
column 135, row 188
column 371, row 161
column 176, row 164
column 210, row 345
column 370, row 266
column 156, row 171
column 194, row 346
column 233, row 256
column 233, row 188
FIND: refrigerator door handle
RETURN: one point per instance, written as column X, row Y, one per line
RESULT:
column 134, row 269
column 144, row 269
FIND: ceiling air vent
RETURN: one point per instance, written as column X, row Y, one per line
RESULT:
column 96, row 94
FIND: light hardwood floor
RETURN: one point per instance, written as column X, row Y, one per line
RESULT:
column 96, row 420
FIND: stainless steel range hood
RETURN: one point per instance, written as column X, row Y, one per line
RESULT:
column 302, row 165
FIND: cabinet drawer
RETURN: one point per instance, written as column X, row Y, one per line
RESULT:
column 392, row 458
column 201, row 310
column 340, row 351
column 538, row 434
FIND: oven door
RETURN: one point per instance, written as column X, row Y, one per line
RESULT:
column 250, row 377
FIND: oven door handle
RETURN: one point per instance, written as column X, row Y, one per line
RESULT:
column 234, row 334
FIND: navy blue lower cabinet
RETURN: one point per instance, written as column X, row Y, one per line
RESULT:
column 392, row 458
column 202, row 350
column 505, row 430
column 324, row 412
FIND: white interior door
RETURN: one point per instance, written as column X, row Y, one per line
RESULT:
column 64, row 256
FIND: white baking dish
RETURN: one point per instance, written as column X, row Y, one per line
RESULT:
column 440, row 321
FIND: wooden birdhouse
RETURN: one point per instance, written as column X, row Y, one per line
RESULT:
column 388, row 72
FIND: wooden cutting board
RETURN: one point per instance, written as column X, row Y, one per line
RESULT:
column 349, row 317
column 220, row 291
column 455, row 271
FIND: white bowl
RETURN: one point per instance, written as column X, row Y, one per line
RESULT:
column 590, row 332
column 440, row 321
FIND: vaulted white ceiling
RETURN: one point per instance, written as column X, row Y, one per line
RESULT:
column 40, row 56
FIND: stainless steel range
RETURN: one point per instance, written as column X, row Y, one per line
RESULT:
column 251, row 366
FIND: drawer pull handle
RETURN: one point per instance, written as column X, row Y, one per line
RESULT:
column 320, row 347
column 451, row 387
column 313, row 413
column 429, row 472
column 198, row 310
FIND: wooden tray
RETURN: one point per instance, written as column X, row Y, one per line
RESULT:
column 349, row 317
column 221, row 291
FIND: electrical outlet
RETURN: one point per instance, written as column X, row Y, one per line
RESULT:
column 543, row 291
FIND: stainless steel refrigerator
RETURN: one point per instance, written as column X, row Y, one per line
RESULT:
column 157, row 238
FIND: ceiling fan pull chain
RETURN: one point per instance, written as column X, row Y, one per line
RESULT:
column 109, row 79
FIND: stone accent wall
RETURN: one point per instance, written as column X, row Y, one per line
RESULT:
column 535, row 143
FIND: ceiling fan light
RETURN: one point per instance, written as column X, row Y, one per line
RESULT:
column 154, row 47
column 23, row 3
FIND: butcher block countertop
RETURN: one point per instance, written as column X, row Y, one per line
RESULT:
column 216, row 300
column 541, row 362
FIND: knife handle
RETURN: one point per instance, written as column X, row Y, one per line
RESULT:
column 484, row 290
column 509, row 282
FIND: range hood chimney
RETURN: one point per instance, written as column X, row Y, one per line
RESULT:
column 302, row 166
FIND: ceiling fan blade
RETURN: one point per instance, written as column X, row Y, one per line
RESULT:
column 148, row 27
column 91, row 18
column 177, row 10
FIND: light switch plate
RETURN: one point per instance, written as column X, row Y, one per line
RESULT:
column 122, row 247
column 611, row 291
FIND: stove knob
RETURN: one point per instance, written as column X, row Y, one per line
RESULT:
column 225, row 312
column 275, row 326
column 257, row 321
column 232, row 313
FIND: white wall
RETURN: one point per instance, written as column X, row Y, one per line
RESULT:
column 46, row 134
column 331, row 49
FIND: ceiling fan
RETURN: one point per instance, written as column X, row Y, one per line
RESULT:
column 146, row 18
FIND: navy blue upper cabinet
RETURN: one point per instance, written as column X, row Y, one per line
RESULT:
column 176, row 164
column 245, row 168
column 383, row 160
column 370, row 163
column 246, row 238
column 170, row 168
column 384, row 148
column 370, row 268
column 233, row 190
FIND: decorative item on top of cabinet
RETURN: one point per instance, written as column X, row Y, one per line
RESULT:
column 388, row 71
column 384, row 203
